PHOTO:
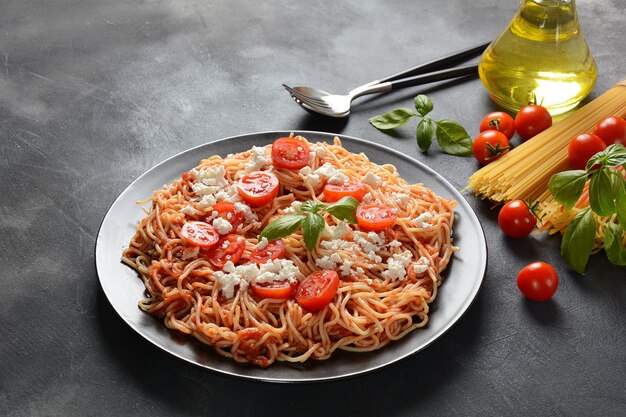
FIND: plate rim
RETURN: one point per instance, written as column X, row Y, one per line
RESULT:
column 465, row 305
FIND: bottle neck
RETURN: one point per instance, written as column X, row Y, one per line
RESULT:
column 546, row 20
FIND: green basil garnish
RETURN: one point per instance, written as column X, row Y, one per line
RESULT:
column 578, row 240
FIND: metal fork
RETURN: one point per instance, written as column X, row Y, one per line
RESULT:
column 338, row 105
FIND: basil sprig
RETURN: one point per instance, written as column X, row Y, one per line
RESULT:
column 451, row 136
column 308, row 218
column 607, row 196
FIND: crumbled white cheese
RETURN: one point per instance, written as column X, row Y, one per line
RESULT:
column 401, row 197
column 209, row 180
column 257, row 160
column 423, row 220
column 222, row 226
column 232, row 276
column 367, row 199
column 207, row 201
column 338, row 178
column 190, row 252
column 370, row 242
column 421, row 265
column 337, row 244
column 310, row 177
column 293, row 208
column 372, row 180
column 319, row 151
column 188, row 210
column 326, row 170
column 328, row 262
column 248, row 214
column 394, row 243
column 345, row 268
column 397, row 264
column 262, row 243
column 278, row 270
column 372, row 256
column 229, row 193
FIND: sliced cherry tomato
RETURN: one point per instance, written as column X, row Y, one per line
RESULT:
column 375, row 217
column 538, row 281
column 499, row 121
column 228, row 248
column 516, row 219
column 278, row 289
column 532, row 119
column 226, row 210
column 335, row 192
column 583, row 147
column 200, row 234
column 611, row 130
column 258, row 188
column 273, row 250
column 317, row 290
column 290, row 153
column 489, row 146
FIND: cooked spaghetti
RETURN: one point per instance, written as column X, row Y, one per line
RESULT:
column 387, row 278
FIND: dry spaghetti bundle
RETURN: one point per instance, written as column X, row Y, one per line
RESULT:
column 524, row 172
column 387, row 278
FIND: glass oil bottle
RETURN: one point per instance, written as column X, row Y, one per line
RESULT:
column 541, row 55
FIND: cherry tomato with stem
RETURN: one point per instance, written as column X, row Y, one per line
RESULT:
column 317, row 290
column 200, row 234
column 538, row 281
column 531, row 120
column 516, row 219
column 290, row 153
column 582, row 147
column 611, row 130
column 335, row 192
column 489, row 146
column 280, row 290
column 273, row 250
column 499, row 121
column 258, row 188
column 228, row 248
column 375, row 217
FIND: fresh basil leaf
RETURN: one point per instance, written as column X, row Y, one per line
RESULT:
column 615, row 251
column 567, row 186
column 453, row 138
column 344, row 209
column 614, row 155
column 423, row 104
column 601, row 193
column 393, row 119
column 618, row 184
column 578, row 240
column 311, row 206
column 425, row 134
column 281, row 227
column 312, row 226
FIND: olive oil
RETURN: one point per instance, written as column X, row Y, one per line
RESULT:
column 541, row 55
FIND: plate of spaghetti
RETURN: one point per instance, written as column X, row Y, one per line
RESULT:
column 291, row 256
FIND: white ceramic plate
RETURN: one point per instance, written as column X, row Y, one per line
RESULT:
column 123, row 287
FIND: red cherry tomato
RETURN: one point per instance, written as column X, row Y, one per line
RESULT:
column 489, row 146
column 538, row 281
column 499, row 121
column 317, row 290
column 228, row 248
column 258, row 188
column 532, row 119
column 611, row 130
column 278, row 289
column 375, row 217
column 335, row 192
column 290, row 153
column 273, row 250
column 516, row 219
column 583, row 147
column 226, row 210
column 200, row 234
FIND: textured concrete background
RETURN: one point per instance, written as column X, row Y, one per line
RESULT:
column 93, row 93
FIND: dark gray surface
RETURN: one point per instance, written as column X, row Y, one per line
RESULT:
column 94, row 93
